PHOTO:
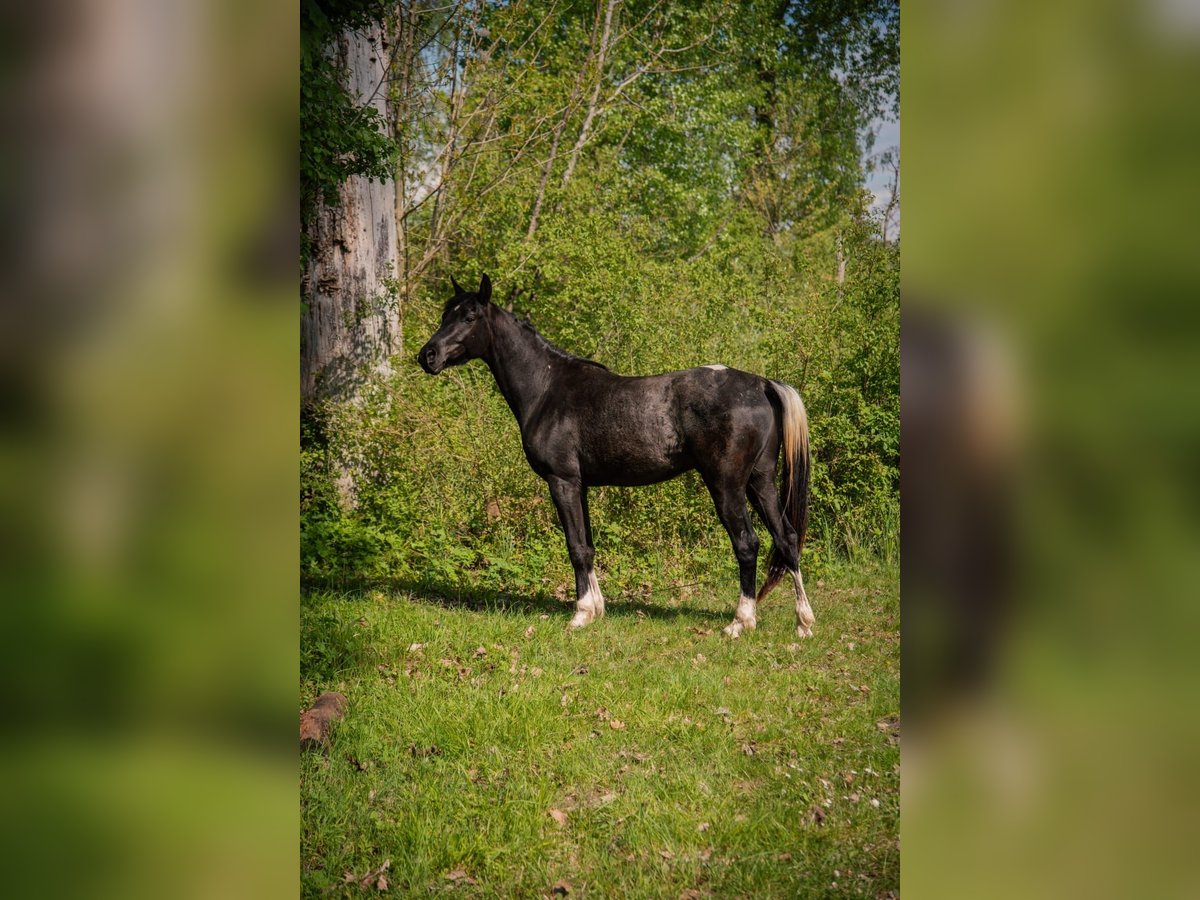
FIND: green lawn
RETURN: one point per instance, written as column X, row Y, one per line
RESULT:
column 489, row 752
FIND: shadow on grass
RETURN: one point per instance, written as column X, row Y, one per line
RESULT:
column 483, row 599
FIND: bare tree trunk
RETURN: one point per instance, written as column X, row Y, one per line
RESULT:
column 594, row 100
column 404, row 63
column 841, row 265
column 437, row 231
column 351, row 319
column 546, row 169
column 893, row 205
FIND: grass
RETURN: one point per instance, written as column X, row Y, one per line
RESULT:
column 489, row 752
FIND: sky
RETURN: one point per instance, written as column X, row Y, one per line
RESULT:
column 887, row 138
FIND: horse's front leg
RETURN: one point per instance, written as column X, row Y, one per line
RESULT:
column 570, row 499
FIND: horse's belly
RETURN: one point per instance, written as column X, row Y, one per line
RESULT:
column 633, row 465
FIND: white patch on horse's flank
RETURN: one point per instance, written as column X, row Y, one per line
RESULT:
column 743, row 619
column 804, row 613
column 590, row 606
column 716, row 366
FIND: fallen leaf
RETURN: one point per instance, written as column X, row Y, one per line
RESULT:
column 875, row 802
column 784, row 857
column 460, row 875
column 849, row 776
column 529, row 631
column 749, row 748
column 666, row 854
column 854, row 798
column 616, row 725
column 374, row 876
column 740, row 817
column 562, row 888
column 413, row 648
column 724, row 711
column 703, row 826
column 479, row 651
column 817, row 814
column 559, row 816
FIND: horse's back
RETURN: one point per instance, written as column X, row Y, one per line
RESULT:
column 645, row 429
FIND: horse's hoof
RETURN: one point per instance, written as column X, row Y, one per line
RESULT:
column 580, row 620
column 803, row 631
column 735, row 628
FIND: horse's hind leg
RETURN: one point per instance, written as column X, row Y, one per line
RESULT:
column 730, row 500
column 765, row 499
column 570, row 500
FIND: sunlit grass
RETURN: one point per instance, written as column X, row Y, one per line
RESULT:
column 490, row 752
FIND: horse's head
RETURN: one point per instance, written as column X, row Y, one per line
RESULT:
column 464, row 334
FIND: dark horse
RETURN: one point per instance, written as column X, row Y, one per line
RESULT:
column 582, row 425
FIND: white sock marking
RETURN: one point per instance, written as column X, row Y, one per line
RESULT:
column 743, row 618
column 804, row 613
column 590, row 606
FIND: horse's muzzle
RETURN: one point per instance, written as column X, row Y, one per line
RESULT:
column 429, row 361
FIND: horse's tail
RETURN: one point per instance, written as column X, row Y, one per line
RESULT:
column 797, row 469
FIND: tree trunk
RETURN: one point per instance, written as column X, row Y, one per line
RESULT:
column 350, row 323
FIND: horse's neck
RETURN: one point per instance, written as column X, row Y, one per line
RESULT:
column 520, row 363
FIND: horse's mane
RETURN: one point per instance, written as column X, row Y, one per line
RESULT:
column 526, row 325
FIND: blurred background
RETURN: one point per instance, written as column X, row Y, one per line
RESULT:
column 148, row 466
column 1050, row 428
column 148, row 380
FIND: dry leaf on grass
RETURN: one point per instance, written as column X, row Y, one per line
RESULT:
column 559, row 816
column 316, row 723
column 616, row 725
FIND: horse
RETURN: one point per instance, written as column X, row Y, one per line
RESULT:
column 584, row 426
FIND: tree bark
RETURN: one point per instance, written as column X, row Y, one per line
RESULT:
column 350, row 322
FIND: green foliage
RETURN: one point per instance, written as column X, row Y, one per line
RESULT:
column 427, row 456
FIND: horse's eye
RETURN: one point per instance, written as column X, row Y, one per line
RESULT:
column 471, row 316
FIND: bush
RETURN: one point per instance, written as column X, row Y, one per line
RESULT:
column 436, row 486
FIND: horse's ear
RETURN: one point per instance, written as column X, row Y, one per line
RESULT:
column 485, row 288
column 458, row 291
